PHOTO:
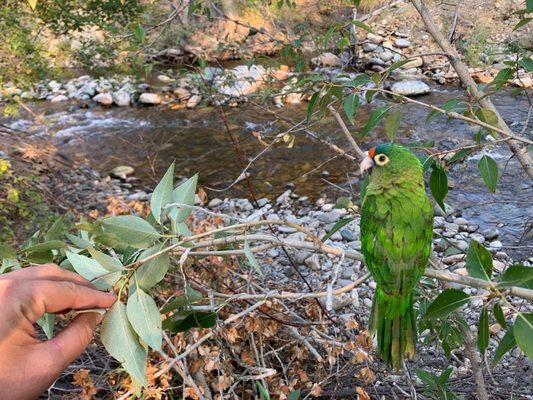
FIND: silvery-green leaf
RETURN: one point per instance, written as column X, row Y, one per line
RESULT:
column 108, row 262
column 56, row 230
column 9, row 265
column 154, row 270
column 183, row 194
column 78, row 241
column 251, row 258
column 46, row 322
column 91, row 270
column 162, row 194
column 121, row 341
column 132, row 230
column 145, row 319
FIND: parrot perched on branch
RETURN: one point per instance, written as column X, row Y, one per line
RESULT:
column 396, row 235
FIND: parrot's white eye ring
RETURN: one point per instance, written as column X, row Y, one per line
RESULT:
column 381, row 159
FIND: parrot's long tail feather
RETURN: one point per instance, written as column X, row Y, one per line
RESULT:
column 393, row 320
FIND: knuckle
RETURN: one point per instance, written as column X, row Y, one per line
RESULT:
column 71, row 288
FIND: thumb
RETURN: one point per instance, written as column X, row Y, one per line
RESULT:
column 72, row 341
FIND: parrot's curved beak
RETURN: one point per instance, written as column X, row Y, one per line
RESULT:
column 366, row 164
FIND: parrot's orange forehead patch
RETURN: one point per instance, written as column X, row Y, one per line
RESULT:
column 372, row 152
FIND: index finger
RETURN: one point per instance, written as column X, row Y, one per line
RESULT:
column 55, row 296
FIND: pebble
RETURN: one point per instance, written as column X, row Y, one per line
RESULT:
column 58, row 98
column 402, row 43
column 215, row 202
column 367, row 303
column 410, row 88
column 490, row 233
column 368, row 47
column 495, row 245
column 313, row 262
column 105, row 99
column 122, row 171
column 348, row 234
column 478, row 237
column 150, row 99
column 372, row 38
column 329, row 217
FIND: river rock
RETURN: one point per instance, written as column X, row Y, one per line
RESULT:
column 164, row 79
column 368, row 47
column 348, row 234
column 121, row 99
column 327, row 60
column 244, row 80
column 105, row 99
column 122, row 172
column 490, row 233
column 410, row 88
column 402, row 43
column 386, row 56
column 182, row 94
column 54, row 86
column 372, row 38
column 194, row 101
column 414, row 63
column 58, row 98
column 150, row 99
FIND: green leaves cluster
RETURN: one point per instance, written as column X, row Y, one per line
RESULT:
column 479, row 264
column 128, row 254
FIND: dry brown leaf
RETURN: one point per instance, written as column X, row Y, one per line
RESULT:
column 352, row 324
column 362, row 394
column 367, row 376
column 84, row 380
column 190, row 393
column 316, row 390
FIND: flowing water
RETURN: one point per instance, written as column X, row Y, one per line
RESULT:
column 150, row 138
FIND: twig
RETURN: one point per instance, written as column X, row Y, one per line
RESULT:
column 306, row 343
column 473, row 356
column 360, row 153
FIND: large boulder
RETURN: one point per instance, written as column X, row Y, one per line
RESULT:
column 243, row 80
column 121, row 98
column 327, row 60
column 150, row 99
column 410, row 88
column 105, row 99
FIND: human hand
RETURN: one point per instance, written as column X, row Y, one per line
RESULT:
column 28, row 366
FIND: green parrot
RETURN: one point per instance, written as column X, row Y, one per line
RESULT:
column 396, row 234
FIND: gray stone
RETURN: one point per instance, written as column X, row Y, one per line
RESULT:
column 327, row 60
column 367, row 302
column 194, row 101
column 121, row 99
column 495, row 245
column 150, row 99
column 273, row 253
column 301, row 256
column 410, row 88
column 368, row 47
column 54, row 86
column 347, row 273
column 313, row 262
column 142, row 196
column 477, row 237
column 386, row 56
column 329, row 217
column 490, row 233
column 59, row 98
column 348, row 234
column 460, row 221
column 372, row 38
column 376, row 61
column 122, row 171
column 215, row 202
column 414, row 63
column 105, row 99
column 402, row 43
column 287, row 229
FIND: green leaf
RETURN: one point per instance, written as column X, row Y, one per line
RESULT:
column 375, row 117
column 438, row 184
column 359, row 80
column 351, row 104
column 483, row 331
column 459, row 155
column 338, row 225
column 46, row 322
column 139, row 32
column 131, row 230
column 108, row 262
column 91, row 270
column 526, row 63
column 7, row 252
column 162, row 194
column 56, row 230
column 517, row 275
column 392, row 124
column 498, row 314
column 121, row 341
column 192, row 320
column 478, row 261
column 191, row 296
column 506, row 344
column 446, row 302
column 153, row 271
column 397, row 65
column 294, row 395
column 362, row 25
column 523, row 333
column 263, row 394
column 489, row 172
column 487, row 116
column 522, row 22
column 501, row 78
column 312, row 104
column 451, row 105
column 251, row 258
column 183, row 194
column 145, row 319
column 47, row 246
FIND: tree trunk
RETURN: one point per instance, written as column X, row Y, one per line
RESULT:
column 518, row 148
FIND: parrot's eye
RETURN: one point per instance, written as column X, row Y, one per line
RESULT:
column 381, row 159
